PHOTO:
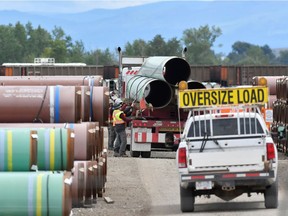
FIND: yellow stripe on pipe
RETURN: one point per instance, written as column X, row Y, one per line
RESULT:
column 9, row 150
column 39, row 195
column 52, row 149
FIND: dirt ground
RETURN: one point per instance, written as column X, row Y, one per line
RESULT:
column 124, row 187
column 155, row 191
column 149, row 186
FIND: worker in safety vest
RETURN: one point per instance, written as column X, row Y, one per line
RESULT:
column 119, row 122
column 111, row 130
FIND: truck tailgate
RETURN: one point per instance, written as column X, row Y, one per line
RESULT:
column 240, row 160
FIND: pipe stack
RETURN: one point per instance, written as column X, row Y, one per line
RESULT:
column 277, row 103
column 280, row 115
column 156, row 80
column 51, row 131
column 35, row 193
column 271, row 83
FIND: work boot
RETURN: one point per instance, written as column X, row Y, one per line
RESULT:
column 116, row 154
column 123, row 155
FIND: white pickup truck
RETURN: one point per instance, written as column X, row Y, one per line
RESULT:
column 226, row 154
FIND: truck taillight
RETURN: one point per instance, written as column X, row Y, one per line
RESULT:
column 224, row 115
column 182, row 159
column 270, row 151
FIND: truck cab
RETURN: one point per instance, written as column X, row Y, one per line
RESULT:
column 226, row 151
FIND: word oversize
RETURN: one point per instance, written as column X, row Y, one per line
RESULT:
column 216, row 97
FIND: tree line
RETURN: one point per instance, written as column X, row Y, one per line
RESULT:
column 22, row 43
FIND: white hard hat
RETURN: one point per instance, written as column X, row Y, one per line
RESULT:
column 118, row 103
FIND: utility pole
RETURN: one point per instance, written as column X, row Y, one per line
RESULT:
column 120, row 72
column 183, row 53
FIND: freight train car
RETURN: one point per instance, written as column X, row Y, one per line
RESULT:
column 224, row 75
column 46, row 67
column 58, row 69
column 235, row 75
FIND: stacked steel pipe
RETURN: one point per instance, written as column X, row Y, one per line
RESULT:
column 270, row 82
column 35, row 193
column 51, row 127
column 278, row 97
column 280, row 115
column 156, row 80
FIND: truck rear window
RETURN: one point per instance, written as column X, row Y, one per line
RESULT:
column 226, row 126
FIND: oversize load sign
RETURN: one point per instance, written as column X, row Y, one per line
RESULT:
column 225, row 96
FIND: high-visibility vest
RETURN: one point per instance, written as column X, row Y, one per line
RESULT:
column 116, row 117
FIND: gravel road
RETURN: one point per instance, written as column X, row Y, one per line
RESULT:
column 141, row 187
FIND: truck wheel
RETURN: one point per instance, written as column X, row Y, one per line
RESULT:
column 271, row 195
column 135, row 153
column 187, row 199
column 146, row 154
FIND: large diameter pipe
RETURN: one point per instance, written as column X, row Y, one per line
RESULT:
column 167, row 68
column 53, row 104
column 55, row 149
column 51, row 80
column 88, row 182
column 100, row 176
column 99, row 104
column 77, row 184
column 18, row 149
column 84, row 141
column 193, row 84
column 50, row 104
column 269, row 81
column 35, row 193
column 99, row 148
column 157, row 92
column 93, row 103
column 282, row 88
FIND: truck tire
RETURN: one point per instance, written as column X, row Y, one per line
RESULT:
column 271, row 195
column 187, row 199
column 146, row 154
column 135, row 153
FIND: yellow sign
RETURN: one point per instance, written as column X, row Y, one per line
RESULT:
column 225, row 96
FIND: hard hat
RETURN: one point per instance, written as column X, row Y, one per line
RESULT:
column 118, row 103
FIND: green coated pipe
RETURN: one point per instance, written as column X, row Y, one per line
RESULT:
column 34, row 194
column 55, row 149
column 18, row 149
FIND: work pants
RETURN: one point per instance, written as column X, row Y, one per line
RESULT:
column 121, row 142
column 111, row 136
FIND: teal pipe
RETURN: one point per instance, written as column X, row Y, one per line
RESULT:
column 18, row 149
column 55, row 149
column 34, row 194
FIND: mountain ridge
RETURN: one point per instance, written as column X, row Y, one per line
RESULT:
column 259, row 23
